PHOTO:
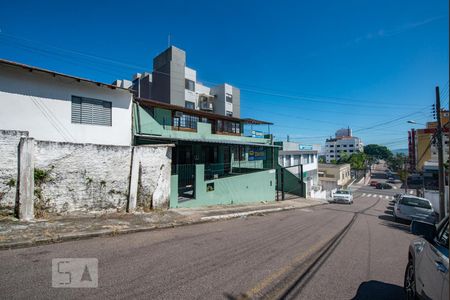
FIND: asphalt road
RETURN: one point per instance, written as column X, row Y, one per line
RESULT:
column 255, row 257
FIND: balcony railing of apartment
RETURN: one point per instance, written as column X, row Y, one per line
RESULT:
column 220, row 170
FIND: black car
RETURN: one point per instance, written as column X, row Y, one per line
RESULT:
column 383, row 186
column 426, row 275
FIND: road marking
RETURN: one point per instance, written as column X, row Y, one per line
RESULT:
column 374, row 195
column 370, row 195
column 289, row 267
column 411, row 192
column 363, row 194
column 395, row 187
column 381, row 196
column 305, row 209
column 387, row 197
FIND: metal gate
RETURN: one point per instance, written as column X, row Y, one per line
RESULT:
column 290, row 186
column 186, row 180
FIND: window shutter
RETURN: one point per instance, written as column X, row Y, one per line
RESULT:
column 76, row 109
column 91, row 111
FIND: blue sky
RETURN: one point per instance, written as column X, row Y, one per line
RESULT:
column 310, row 67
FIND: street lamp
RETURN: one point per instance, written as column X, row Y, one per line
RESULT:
column 414, row 122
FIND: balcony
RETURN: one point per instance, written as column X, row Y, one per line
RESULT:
column 206, row 102
column 207, row 105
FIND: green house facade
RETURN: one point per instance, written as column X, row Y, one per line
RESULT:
column 216, row 160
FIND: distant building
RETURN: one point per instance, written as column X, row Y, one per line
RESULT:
column 343, row 142
column 332, row 177
column 172, row 82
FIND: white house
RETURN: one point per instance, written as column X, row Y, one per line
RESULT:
column 294, row 155
column 57, row 107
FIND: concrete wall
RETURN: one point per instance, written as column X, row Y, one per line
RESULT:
column 41, row 104
column 246, row 188
column 71, row 177
column 9, row 143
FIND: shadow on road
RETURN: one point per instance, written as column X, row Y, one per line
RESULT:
column 388, row 220
column 379, row 290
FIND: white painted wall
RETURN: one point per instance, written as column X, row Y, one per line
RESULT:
column 41, row 104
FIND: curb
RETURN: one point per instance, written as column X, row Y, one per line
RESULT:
column 109, row 232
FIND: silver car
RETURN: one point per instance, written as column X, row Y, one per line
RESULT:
column 426, row 275
column 411, row 207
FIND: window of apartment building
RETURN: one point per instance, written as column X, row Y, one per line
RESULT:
column 297, row 160
column 338, row 146
column 189, row 85
column 229, row 98
column 229, row 113
column 91, row 111
column 331, row 151
column 189, row 104
column 345, row 146
column 350, row 146
column 350, row 150
column 331, row 155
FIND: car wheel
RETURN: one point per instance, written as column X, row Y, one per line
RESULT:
column 410, row 282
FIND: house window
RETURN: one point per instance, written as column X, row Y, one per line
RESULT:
column 186, row 121
column 229, row 113
column 189, row 85
column 190, row 105
column 91, row 111
column 229, row 98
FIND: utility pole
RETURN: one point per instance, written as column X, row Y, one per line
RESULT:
column 442, row 211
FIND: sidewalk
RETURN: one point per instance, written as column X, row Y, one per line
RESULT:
column 15, row 234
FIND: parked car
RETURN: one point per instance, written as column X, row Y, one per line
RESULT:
column 383, row 186
column 397, row 197
column 412, row 207
column 426, row 275
column 391, row 180
column 343, row 196
column 373, row 183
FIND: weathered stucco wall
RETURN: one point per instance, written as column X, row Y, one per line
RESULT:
column 9, row 143
column 71, row 177
column 81, row 176
column 154, row 179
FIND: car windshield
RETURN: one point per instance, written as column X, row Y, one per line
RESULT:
column 422, row 203
column 343, row 192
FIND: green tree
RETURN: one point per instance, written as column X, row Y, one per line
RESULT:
column 345, row 158
column 358, row 161
column 378, row 151
column 397, row 163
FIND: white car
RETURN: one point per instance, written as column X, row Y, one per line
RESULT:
column 410, row 207
column 343, row 196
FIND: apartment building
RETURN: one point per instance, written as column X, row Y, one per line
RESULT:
column 172, row 82
column 421, row 146
column 343, row 142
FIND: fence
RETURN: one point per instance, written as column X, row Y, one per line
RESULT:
column 220, row 170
